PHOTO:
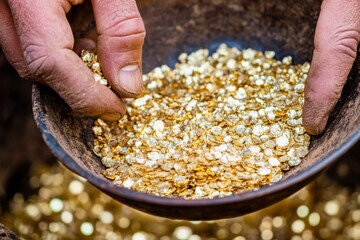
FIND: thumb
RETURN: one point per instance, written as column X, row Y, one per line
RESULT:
column 336, row 40
column 121, row 37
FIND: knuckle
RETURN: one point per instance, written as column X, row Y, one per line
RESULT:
column 346, row 42
column 124, row 27
column 123, row 35
column 341, row 42
column 38, row 61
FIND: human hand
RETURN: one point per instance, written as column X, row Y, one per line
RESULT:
column 337, row 37
column 37, row 40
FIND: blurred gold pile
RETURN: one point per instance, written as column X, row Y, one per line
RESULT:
column 65, row 206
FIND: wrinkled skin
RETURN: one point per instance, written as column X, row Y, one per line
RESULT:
column 37, row 40
column 336, row 41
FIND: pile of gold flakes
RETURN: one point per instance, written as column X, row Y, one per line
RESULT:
column 90, row 59
column 213, row 126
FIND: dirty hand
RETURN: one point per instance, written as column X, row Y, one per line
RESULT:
column 37, row 40
column 337, row 37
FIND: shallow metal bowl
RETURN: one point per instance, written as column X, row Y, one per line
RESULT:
column 174, row 27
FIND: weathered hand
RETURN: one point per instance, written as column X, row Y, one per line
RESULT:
column 336, row 41
column 37, row 40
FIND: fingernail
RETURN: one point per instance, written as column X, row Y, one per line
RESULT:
column 110, row 116
column 130, row 78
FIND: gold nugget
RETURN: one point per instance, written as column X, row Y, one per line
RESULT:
column 213, row 126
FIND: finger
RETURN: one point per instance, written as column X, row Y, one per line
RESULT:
column 121, row 37
column 47, row 41
column 9, row 40
column 84, row 44
column 336, row 40
column 88, row 42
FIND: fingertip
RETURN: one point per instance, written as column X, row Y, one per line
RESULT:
column 101, row 102
column 314, row 118
column 110, row 116
column 115, row 116
column 314, row 128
